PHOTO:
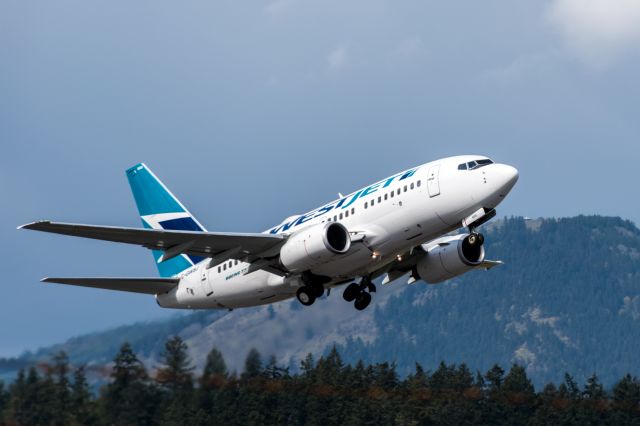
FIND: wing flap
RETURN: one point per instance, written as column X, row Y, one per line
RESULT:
column 134, row 285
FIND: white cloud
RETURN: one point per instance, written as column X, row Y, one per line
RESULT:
column 598, row 31
column 338, row 58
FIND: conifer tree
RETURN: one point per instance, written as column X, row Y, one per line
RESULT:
column 495, row 376
column 81, row 403
column 175, row 377
column 175, row 372
column 593, row 389
column 129, row 398
column 626, row 393
column 252, row 364
column 61, row 397
column 215, row 370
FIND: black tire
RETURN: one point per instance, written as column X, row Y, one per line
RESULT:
column 362, row 301
column 318, row 291
column 306, row 296
column 472, row 239
column 351, row 292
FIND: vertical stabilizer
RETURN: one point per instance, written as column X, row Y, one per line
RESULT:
column 160, row 209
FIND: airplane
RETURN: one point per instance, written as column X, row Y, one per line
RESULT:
column 402, row 225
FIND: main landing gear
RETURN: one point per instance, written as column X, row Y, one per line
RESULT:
column 309, row 293
column 360, row 293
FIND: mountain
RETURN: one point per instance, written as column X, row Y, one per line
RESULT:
column 567, row 299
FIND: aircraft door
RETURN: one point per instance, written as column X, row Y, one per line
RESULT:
column 206, row 281
column 433, row 180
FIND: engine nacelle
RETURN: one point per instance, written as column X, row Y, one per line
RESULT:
column 450, row 257
column 314, row 246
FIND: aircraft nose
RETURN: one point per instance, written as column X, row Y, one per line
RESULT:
column 507, row 176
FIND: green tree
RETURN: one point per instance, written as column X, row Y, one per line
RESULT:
column 215, row 364
column 130, row 397
column 82, row 405
column 175, row 372
column 252, row 364
column 593, row 389
column 175, row 377
column 495, row 376
column 61, row 397
column 626, row 393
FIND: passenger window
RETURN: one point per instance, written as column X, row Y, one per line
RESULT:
column 219, row 269
column 405, row 188
column 353, row 210
column 366, row 205
column 335, row 218
column 392, row 193
column 340, row 216
column 398, row 191
column 385, row 197
column 418, row 184
column 373, row 202
column 379, row 199
column 236, row 263
column 411, row 185
column 224, row 267
column 346, row 213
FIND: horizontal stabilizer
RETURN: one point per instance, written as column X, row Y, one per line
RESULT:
column 134, row 285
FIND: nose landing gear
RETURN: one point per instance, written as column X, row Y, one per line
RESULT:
column 360, row 293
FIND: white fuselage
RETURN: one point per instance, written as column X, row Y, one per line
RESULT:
column 389, row 218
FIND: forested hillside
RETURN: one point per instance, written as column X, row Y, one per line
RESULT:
column 566, row 300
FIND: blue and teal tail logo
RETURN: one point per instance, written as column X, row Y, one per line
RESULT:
column 160, row 209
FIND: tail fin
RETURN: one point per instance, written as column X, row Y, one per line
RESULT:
column 160, row 209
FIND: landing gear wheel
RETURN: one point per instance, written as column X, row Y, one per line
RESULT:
column 362, row 301
column 475, row 238
column 318, row 290
column 306, row 295
column 351, row 292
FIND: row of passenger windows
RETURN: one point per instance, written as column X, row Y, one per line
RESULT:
column 474, row 164
column 393, row 193
column 230, row 263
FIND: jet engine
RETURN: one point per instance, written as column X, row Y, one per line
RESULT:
column 450, row 257
column 314, row 245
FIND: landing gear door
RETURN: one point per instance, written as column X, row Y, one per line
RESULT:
column 433, row 180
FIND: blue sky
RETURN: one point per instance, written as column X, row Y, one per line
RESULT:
column 253, row 111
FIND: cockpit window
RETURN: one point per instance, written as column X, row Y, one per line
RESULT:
column 472, row 165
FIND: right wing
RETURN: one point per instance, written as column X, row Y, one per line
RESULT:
column 222, row 245
column 134, row 285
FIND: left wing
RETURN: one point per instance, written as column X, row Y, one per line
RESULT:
column 222, row 245
column 134, row 285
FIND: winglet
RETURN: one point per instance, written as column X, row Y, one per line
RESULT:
column 33, row 225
